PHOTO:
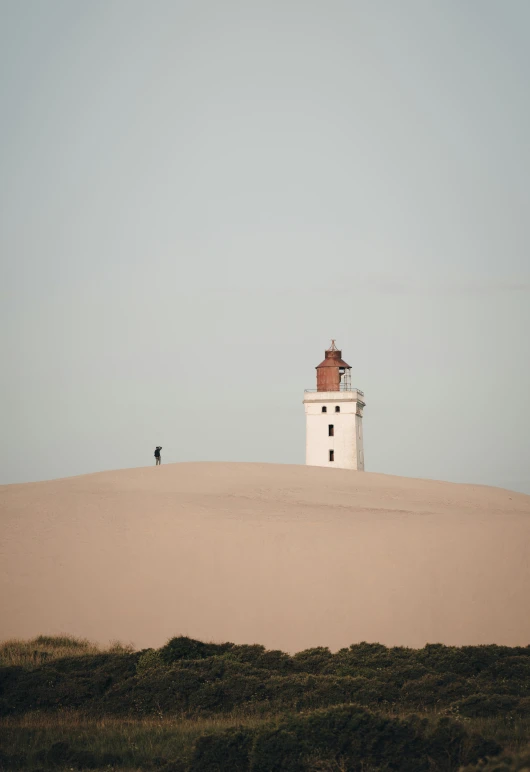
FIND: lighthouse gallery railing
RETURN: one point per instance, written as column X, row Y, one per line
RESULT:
column 342, row 387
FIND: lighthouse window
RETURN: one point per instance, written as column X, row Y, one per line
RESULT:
column 332, row 455
column 337, row 408
column 324, row 409
column 331, row 430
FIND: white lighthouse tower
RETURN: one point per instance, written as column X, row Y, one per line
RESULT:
column 334, row 416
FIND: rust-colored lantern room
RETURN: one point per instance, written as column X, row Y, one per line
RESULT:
column 333, row 374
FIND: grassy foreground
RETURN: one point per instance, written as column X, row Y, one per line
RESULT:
column 191, row 706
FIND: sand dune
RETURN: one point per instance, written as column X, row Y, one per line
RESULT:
column 287, row 556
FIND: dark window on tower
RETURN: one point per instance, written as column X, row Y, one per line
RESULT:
column 324, row 409
column 331, row 430
column 332, row 455
column 337, row 408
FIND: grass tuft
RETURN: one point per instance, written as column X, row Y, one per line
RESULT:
column 35, row 652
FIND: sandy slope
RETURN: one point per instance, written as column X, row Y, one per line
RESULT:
column 288, row 556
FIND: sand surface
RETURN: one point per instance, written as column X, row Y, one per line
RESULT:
column 288, row 556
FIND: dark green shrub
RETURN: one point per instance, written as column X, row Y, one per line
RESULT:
column 248, row 653
column 188, row 648
column 404, row 673
column 262, row 658
column 300, row 692
column 279, row 749
column 161, row 690
column 63, row 683
column 506, row 763
column 431, row 691
column 179, row 765
column 61, row 754
column 369, row 651
column 448, row 739
column 13, row 761
column 523, row 707
column 277, row 661
column 466, row 660
column 225, row 752
column 205, row 678
column 314, row 660
column 516, row 670
column 362, row 740
column 484, row 705
column 147, row 660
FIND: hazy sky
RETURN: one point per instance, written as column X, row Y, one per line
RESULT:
column 196, row 196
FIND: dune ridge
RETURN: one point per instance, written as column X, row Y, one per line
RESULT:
column 288, row 556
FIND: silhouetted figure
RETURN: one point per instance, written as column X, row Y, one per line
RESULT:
column 158, row 455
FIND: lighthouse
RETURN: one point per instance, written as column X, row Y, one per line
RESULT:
column 334, row 416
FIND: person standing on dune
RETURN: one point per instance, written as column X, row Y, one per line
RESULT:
column 158, row 455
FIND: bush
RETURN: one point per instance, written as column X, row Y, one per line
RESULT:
column 448, row 739
column 486, row 705
column 61, row 754
column 518, row 763
column 187, row 648
column 226, row 752
column 313, row 660
column 148, row 659
column 523, row 707
column 13, row 761
column 356, row 737
column 205, row 678
column 72, row 682
column 249, row 654
column 261, row 658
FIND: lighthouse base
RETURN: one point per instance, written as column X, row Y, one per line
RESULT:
column 334, row 429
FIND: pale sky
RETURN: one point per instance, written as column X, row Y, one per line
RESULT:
column 195, row 197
